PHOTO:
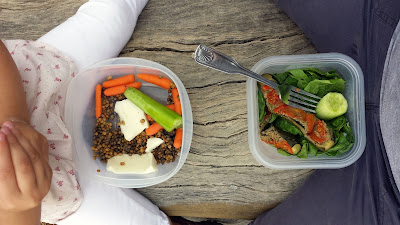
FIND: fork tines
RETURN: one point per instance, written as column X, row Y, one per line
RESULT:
column 302, row 99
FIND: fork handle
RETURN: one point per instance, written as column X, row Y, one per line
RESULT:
column 210, row 57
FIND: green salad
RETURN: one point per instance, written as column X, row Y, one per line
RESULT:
column 299, row 133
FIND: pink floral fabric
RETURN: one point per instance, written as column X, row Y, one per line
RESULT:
column 46, row 74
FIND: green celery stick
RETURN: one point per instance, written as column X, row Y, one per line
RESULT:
column 164, row 116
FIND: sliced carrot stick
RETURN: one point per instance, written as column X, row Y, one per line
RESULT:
column 119, row 81
column 171, row 107
column 153, row 129
column 177, row 101
column 98, row 100
column 157, row 80
column 149, row 118
column 178, row 138
column 121, row 88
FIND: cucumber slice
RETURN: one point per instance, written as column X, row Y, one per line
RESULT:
column 331, row 105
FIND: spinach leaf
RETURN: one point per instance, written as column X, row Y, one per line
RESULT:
column 342, row 145
column 299, row 74
column 282, row 152
column 315, row 70
column 302, row 84
column 286, row 126
column 312, row 150
column 313, row 76
column 336, row 135
column 284, row 91
column 304, row 151
column 323, row 87
column 297, row 78
column 261, row 106
column 337, row 123
column 344, row 138
column 291, row 81
column 280, row 77
column 273, row 117
column 349, row 132
column 343, row 150
column 332, row 74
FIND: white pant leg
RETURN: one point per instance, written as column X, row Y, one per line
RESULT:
column 107, row 205
column 98, row 31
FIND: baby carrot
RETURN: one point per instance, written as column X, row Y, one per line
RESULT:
column 98, row 100
column 171, row 107
column 153, row 129
column 157, row 80
column 149, row 118
column 177, row 101
column 121, row 88
column 119, row 81
column 178, row 138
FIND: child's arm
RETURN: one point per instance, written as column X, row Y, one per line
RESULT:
column 25, row 174
column 12, row 96
column 17, row 206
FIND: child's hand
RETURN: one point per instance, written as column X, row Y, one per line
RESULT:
column 25, row 174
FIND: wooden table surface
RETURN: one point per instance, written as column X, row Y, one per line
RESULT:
column 220, row 178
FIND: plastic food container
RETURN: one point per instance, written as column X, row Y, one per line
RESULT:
column 354, row 93
column 81, row 120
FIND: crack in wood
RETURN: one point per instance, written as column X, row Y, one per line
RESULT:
column 262, row 38
column 263, row 191
column 230, row 136
column 227, row 166
column 223, row 121
column 215, row 44
column 241, row 41
column 217, row 84
column 162, row 49
column 28, row 6
column 216, row 155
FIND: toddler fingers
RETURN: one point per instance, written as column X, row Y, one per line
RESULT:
column 35, row 157
column 36, row 139
column 44, row 147
column 23, row 168
column 45, row 186
column 8, row 181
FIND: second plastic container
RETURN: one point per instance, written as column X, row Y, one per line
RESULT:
column 354, row 93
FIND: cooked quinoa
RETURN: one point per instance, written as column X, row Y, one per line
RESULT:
column 109, row 141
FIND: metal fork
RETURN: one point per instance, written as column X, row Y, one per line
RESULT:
column 298, row 98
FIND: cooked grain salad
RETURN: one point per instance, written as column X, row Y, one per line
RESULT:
column 109, row 141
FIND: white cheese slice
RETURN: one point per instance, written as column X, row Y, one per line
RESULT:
column 132, row 118
column 153, row 143
column 135, row 164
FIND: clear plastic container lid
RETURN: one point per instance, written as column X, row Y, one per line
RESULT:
column 81, row 120
column 350, row 71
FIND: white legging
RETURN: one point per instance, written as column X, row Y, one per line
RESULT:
column 98, row 31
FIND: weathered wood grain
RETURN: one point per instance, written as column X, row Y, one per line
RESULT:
column 220, row 178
